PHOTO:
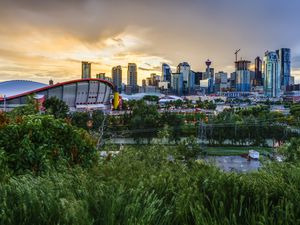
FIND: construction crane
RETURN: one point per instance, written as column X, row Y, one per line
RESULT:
column 236, row 54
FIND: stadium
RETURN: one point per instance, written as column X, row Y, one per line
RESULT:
column 77, row 94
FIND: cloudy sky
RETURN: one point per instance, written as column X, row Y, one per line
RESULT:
column 40, row 40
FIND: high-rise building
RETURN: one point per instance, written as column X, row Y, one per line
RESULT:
column 258, row 79
column 188, row 77
column 210, row 77
column 132, row 76
column 185, row 69
column 232, row 81
column 243, row 80
column 220, row 81
column 117, row 77
column 198, row 77
column 177, row 83
column 284, row 57
column 86, row 70
column 155, row 79
column 272, row 75
column 166, row 73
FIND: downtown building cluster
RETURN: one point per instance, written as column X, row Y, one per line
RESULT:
column 270, row 76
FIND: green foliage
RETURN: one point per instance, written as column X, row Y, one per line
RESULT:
column 97, row 118
column 30, row 108
column 174, row 122
column 249, row 126
column 80, row 119
column 56, row 107
column 206, row 105
column 37, row 143
column 144, row 118
column 152, row 98
column 295, row 110
column 3, row 119
column 144, row 187
column 189, row 149
column 84, row 119
column 291, row 150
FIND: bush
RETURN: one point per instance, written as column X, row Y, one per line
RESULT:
column 35, row 143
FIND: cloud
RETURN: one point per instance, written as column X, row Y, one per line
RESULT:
column 52, row 37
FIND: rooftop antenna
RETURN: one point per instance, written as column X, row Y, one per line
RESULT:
column 236, row 54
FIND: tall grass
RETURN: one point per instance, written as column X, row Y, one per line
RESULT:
column 143, row 187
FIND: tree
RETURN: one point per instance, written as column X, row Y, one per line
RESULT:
column 56, row 107
column 97, row 118
column 175, row 123
column 39, row 142
column 80, row 119
column 144, row 121
column 291, row 150
column 3, row 119
column 164, row 134
column 30, row 108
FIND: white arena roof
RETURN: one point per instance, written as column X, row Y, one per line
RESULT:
column 16, row 87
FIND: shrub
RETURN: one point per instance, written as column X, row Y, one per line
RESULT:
column 37, row 142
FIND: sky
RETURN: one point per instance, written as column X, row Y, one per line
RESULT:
column 42, row 40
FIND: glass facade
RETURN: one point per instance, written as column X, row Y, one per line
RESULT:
column 188, row 77
column 177, row 83
column 272, row 80
column 166, row 73
column 243, row 81
column 243, row 76
column 284, row 57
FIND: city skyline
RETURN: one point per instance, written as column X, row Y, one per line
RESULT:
column 48, row 40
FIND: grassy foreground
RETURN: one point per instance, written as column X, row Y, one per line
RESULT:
column 147, row 186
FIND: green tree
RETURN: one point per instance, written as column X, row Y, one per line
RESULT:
column 175, row 122
column 97, row 118
column 56, row 107
column 291, row 150
column 39, row 142
column 144, row 121
column 80, row 119
column 30, row 108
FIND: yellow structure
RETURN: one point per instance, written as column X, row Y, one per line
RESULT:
column 116, row 100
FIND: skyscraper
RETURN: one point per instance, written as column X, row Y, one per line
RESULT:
column 177, row 83
column 272, row 75
column 166, row 72
column 188, row 77
column 132, row 76
column 284, row 57
column 85, row 70
column 198, row 77
column 258, row 80
column 220, row 81
column 117, row 77
column 243, row 81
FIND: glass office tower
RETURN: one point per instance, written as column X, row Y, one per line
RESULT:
column 272, row 69
column 284, row 57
